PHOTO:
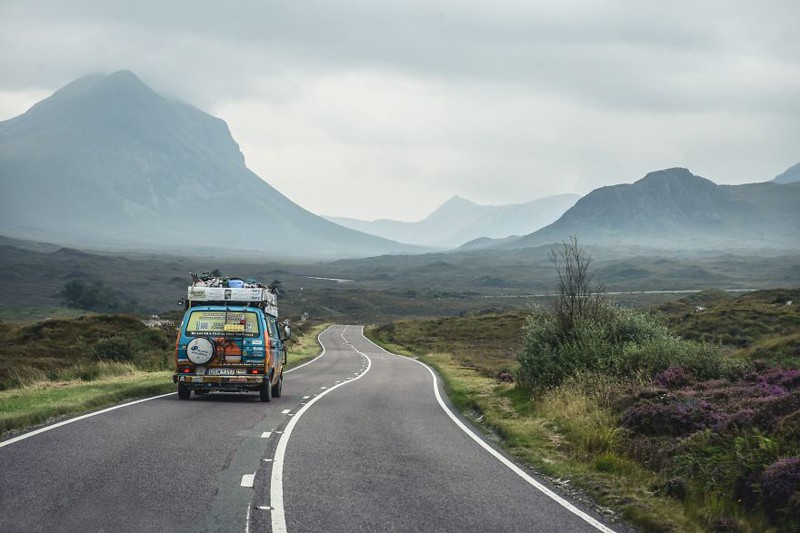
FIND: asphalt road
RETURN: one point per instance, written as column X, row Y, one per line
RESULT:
column 361, row 440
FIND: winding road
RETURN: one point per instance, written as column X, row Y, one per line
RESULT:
column 361, row 440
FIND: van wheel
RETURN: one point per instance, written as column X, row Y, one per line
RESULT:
column 265, row 391
column 276, row 389
column 184, row 392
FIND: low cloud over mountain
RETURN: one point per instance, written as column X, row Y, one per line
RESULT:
column 106, row 162
column 458, row 221
column 675, row 209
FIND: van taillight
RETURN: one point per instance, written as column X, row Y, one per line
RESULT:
column 186, row 370
column 255, row 371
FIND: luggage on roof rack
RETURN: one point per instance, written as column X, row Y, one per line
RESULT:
column 204, row 294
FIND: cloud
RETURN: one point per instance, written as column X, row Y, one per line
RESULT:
column 386, row 109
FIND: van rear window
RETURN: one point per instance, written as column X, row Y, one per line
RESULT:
column 222, row 323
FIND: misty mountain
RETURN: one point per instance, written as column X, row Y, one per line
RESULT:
column 675, row 209
column 106, row 162
column 791, row 175
column 458, row 221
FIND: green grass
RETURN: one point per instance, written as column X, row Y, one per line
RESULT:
column 23, row 408
column 487, row 341
column 22, row 315
column 79, row 385
column 79, row 348
column 735, row 322
column 573, row 432
column 304, row 346
column 567, row 436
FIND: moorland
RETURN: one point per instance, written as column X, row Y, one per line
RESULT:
column 682, row 417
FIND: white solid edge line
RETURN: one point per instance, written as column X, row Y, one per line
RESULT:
column 77, row 418
column 276, row 479
column 317, row 357
column 514, row 468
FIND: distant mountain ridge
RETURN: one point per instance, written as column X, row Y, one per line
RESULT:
column 459, row 220
column 107, row 162
column 673, row 208
column 790, row 175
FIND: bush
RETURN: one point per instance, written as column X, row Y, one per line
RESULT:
column 614, row 341
column 670, row 415
column 780, row 487
column 115, row 349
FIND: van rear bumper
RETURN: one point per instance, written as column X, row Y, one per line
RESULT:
column 220, row 382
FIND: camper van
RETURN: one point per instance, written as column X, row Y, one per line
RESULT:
column 230, row 340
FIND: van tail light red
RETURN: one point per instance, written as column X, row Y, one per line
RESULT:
column 186, row 370
column 256, row 371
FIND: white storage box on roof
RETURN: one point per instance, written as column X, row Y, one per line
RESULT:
column 233, row 296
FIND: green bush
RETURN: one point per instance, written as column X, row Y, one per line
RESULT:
column 615, row 341
column 115, row 349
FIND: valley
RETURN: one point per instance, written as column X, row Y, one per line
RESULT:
column 381, row 288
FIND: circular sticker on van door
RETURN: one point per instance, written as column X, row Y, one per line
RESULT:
column 200, row 351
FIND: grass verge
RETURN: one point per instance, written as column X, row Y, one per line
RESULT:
column 305, row 347
column 547, row 437
column 36, row 404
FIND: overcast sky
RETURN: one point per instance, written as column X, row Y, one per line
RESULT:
column 385, row 109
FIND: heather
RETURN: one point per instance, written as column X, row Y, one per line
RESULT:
column 721, row 434
column 727, row 447
column 704, row 397
column 666, row 427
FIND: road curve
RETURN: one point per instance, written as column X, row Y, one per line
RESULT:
column 382, row 453
column 358, row 442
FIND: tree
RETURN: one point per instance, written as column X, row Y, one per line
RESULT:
column 91, row 297
column 575, row 297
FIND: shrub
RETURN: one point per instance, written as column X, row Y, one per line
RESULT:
column 673, row 377
column 780, row 487
column 616, row 341
column 114, row 349
column 670, row 415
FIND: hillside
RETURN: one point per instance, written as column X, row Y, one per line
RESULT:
column 791, row 175
column 674, row 209
column 106, row 162
column 458, row 221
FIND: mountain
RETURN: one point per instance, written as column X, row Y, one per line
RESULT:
column 675, row 209
column 459, row 220
column 791, row 175
column 106, row 162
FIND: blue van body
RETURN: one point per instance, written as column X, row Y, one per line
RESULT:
column 229, row 347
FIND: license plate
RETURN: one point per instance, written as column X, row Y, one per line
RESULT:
column 220, row 371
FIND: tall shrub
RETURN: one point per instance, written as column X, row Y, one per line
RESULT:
column 584, row 332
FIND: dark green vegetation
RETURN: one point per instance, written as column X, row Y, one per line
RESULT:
column 70, row 366
column 94, row 297
column 83, row 348
column 764, row 324
column 673, row 434
column 379, row 288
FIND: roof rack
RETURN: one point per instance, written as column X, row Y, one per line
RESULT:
column 225, row 292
